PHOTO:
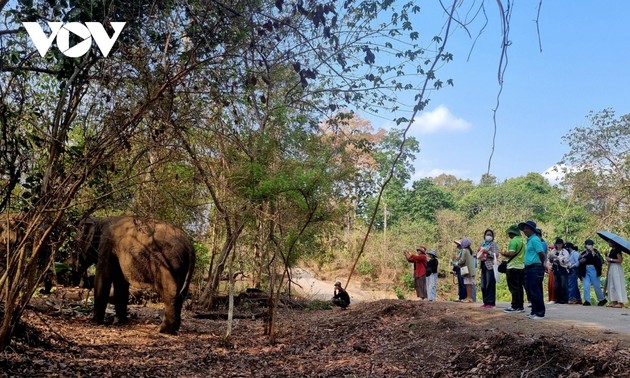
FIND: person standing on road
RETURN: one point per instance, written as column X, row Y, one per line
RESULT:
column 590, row 270
column 466, row 260
column 559, row 259
column 461, row 288
column 419, row 261
column 534, row 271
column 616, row 280
column 515, row 269
column 432, row 274
column 574, row 263
column 488, row 252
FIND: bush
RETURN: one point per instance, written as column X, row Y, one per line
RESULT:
column 407, row 281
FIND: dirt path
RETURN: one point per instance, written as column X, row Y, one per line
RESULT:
column 593, row 317
column 313, row 288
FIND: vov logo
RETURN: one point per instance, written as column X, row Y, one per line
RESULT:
column 62, row 33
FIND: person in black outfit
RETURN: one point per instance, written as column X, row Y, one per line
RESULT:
column 341, row 297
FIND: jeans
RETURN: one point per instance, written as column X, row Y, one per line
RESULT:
column 561, row 284
column 534, row 275
column 488, row 285
column 591, row 279
column 432, row 286
column 574, row 290
column 515, row 278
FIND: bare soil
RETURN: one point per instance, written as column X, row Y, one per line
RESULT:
column 383, row 338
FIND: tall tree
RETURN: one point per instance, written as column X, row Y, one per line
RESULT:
column 597, row 167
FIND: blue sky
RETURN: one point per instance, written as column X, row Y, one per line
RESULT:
column 584, row 66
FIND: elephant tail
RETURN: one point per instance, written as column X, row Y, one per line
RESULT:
column 191, row 269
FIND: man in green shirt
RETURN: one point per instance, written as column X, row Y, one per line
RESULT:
column 515, row 269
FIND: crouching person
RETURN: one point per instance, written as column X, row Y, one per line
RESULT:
column 341, row 297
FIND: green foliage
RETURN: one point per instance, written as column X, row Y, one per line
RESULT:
column 318, row 305
column 202, row 263
column 365, row 267
column 400, row 294
column 407, row 280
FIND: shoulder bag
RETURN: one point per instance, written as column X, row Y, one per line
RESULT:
column 503, row 266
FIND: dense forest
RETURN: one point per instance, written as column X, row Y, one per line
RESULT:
column 241, row 123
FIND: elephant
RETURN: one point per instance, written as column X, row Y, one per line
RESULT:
column 145, row 253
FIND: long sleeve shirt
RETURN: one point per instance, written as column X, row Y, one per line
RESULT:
column 420, row 262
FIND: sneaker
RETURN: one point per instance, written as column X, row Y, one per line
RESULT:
column 490, row 306
column 529, row 305
column 587, row 303
column 520, row 309
column 551, row 302
column 483, row 306
column 535, row 317
column 510, row 310
column 602, row 302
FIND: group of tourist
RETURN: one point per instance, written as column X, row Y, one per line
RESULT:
column 525, row 262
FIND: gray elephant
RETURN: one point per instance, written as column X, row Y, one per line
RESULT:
column 141, row 252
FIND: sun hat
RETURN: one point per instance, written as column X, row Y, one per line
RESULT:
column 530, row 223
column 589, row 242
column 464, row 242
column 433, row 252
column 513, row 229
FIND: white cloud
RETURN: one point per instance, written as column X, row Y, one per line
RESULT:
column 555, row 174
column 440, row 119
column 434, row 172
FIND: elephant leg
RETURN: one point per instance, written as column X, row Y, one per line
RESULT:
column 102, row 284
column 172, row 306
column 121, row 297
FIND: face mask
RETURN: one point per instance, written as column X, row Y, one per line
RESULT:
column 489, row 238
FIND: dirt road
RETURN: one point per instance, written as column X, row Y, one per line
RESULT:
column 608, row 320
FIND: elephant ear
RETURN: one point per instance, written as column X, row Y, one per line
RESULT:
column 87, row 244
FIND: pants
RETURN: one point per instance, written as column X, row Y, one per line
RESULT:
column 515, row 278
column 461, row 288
column 420, row 284
column 534, row 275
column 561, row 285
column 591, row 279
column 340, row 302
column 488, row 285
column 574, row 290
column 550, row 287
column 432, row 287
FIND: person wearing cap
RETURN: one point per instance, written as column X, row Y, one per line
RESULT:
column 341, row 297
column 615, row 279
column 534, row 270
column 515, row 274
column 419, row 261
column 466, row 259
column 574, row 263
column 432, row 274
column 559, row 259
column 590, row 270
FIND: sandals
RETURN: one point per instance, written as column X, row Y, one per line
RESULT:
column 615, row 305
